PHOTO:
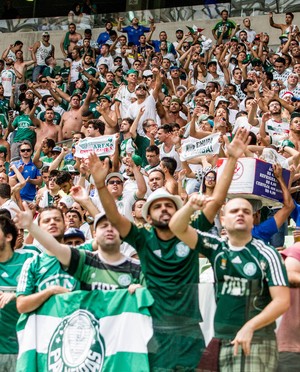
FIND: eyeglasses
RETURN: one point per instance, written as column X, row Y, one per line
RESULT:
column 23, row 150
column 210, row 178
column 115, row 182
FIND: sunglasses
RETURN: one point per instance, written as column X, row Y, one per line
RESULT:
column 23, row 150
column 43, row 81
column 115, row 182
column 142, row 88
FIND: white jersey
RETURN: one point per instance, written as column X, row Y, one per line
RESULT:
column 124, row 96
column 150, row 112
column 8, row 79
column 42, row 53
column 171, row 154
column 75, row 70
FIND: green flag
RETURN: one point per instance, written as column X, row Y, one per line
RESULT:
column 87, row 331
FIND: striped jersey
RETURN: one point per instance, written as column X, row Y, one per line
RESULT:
column 94, row 272
column 243, row 276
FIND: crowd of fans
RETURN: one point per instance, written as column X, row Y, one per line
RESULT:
column 151, row 96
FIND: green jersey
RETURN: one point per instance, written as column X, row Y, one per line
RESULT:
column 94, row 273
column 41, row 272
column 3, row 120
column 23, row 122
column 171, row 272
column 228, row 25
column 243, row 276
column 10, row 272
column 90, row 70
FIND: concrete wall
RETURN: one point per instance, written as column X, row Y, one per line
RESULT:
column 259, row 24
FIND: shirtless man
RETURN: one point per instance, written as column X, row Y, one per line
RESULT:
column 67, row 44
column 47, row 128
column 71, row 120
column 173, row 114
column 108, row 116
column 21, row 66
column 286, row 27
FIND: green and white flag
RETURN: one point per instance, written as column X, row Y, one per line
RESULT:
column 87, row 331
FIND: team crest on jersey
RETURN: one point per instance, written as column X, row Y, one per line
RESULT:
column 76, row 344
column 223, row 263
column 250, row 269
column 182, row 250
column 124, row 280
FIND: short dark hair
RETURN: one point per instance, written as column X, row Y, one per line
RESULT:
column 5, row 190
column 50, row 142
column 153, row 148
column 97, row 124
column 157, row 170
column 50, row 208
column 245, row 84
column 8, row 227
column 170, row 164
column 71, row 210
column 290, row 14
column 63, row 177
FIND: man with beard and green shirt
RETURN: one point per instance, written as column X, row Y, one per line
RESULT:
column 25, row 128
column 11, row 263
column 170, row 267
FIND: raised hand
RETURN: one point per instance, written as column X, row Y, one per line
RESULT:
column 239, row 144
column 99, row 170
column 23, row 219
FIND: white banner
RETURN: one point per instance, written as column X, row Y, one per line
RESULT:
column 101, row 146
column 206, row 146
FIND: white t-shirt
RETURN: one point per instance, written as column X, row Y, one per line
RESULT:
column 150, row 112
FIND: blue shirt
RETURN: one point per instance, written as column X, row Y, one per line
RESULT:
column 135, row 33
column 102, row 38
column 156, row 45
column 296, row 214
column 265, row 230
column 30, row 170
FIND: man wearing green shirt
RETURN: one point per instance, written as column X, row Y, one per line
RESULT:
column 251, row 285
column 11, row 263
column 26, row 128
column 224, row 29
column 170, row 267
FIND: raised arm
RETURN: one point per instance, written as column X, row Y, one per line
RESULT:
column 99, row 172
column 288, row 204
column 24, row 221
column 235, row 149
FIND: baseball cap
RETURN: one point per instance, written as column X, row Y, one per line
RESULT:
column 116, row 68
column 3, row 149
column 179, row 29
column 57, row 149
column 67, row 200
column 220, row 99
column 45, row 33
column 98, row 218
column 137, row 160
column 105, row 96
column 72, row 232
column 174, row 68
column 147, row 73
column 160, row 193
column 141, row 85
column 68, row 60
column 132, row 71
column 182, row 87
column 114, row 174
